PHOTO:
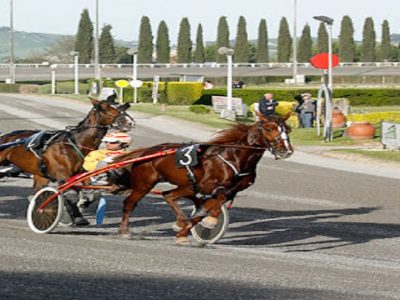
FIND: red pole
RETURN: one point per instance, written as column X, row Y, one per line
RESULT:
column 81, row 177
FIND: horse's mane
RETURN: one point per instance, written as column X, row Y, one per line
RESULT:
column 231, row 135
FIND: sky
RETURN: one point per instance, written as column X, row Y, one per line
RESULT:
column 62, row 16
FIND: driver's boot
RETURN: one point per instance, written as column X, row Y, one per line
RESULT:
column 71, row 199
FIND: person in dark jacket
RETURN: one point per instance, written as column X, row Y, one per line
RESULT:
column 267, row 105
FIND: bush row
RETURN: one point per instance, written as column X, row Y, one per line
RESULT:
column 375, row 118
column 174, row 93
column 372, row 97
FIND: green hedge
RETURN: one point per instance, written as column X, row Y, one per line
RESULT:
column 372, row 97
column 144, row 93
column 184, row 92
column 9, row 88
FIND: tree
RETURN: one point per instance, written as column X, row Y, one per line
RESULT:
column 222, row 38
column 369, row 40
column 210, row 52
column 284, row 41
column 60, row 51
column 242, row 47
column 184, row 48
column 145, row 47
column 106, row 46
column 163, row 45
column 262, row 53
column 199, row 52
column 84, row 38
column 346, row 40
column 305, row 45
column 386, row 46
column 323, row 40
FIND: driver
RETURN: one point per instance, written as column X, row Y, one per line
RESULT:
column 116, row 143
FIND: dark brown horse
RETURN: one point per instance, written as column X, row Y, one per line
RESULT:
column 64, row 153
column 227, row 165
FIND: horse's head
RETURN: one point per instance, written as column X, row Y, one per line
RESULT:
column 109, row 113
column 274, row 134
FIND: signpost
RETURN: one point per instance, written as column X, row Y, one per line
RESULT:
column 220, row 104
column 154, row 92
column 121, row 84
column 391, row 135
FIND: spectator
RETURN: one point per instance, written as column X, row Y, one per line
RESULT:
column 267, row 105
column 238, row 84
column 208, row 85
column 307, row 111
column 296, row 108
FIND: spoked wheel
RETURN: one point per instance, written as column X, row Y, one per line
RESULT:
column 46, row 220
column 211, row 236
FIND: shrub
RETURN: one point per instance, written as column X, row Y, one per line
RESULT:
column 184, row 92
column 199, row 109
column 372, row 97
column 29, row 88
column 9, row 88
column 375, row 117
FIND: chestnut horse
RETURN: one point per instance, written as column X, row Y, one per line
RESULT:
column 63, row 156
column 226, row 165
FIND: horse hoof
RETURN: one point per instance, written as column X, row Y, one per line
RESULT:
column 176, row 227
column 209, row 222
column 182, row 241
column 126, row 236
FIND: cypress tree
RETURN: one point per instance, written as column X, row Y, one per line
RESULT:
column 162, row 45
column 305, row 45
column 386, row 46
column 284, row 41
column 199, row 52
column 222, row 38
column 262, row 53
column 84, row 38
column 369, row 40
column 346, row 41
column 106, row 46
column 145, row 47
column 242, row 47
column 322, row 44
column 184, row 48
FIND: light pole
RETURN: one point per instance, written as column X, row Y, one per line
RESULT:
column 96, row 45
column 134, row 53
column 12, row 66
column 75, row 54
column 329, row 22
column 328, row 131
column 295, row 42
column 229, row 53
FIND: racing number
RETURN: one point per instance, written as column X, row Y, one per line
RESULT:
column 187, row 153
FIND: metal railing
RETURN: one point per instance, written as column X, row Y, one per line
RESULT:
column 200, row 65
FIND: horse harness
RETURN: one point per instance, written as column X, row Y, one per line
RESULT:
column 192, row 160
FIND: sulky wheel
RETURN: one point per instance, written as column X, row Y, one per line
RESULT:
column 46, row 220
column 211, row 236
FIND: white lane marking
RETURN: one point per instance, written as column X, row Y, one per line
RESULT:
column 32, row 117
column 295, row 199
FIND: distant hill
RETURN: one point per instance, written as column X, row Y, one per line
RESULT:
column 25, row 43
column 28, row 43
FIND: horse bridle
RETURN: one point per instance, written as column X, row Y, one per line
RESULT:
column 272, row 146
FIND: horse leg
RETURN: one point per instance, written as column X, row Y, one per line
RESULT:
column 211, row 204
column 171, row 197
column 39, row 182
column 129, row 205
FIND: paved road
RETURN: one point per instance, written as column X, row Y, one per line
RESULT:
column 302, row 232
column 44, row 73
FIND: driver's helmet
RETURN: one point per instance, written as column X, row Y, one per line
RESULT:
column 118, row 137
